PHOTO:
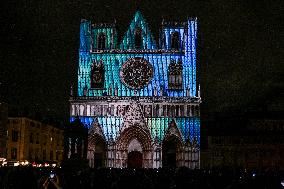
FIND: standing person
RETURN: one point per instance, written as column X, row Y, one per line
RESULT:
column 52, row 182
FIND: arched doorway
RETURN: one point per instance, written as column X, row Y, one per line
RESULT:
column 134, row 147
column 97, row 146
column 170, row 150
column 100, row 153
column 134, row 159
column 134, row 156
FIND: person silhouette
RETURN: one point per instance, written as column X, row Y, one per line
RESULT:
column 52, row 182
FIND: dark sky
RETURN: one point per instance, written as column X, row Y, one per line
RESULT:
column 239, row 53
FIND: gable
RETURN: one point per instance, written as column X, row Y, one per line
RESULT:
column 96, row 129
column 129, row 41
column 134, row 117
column 173, row 130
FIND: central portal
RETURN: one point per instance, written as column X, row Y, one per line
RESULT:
column 133, row 147
column 170, row 152
column 134, row 159
column 135, row 155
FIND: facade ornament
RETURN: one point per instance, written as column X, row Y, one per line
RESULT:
column 173, row 130
column 95, row 129
column 85, row 91
column 187, row 91
column 110, row 90
column 116, row 90
column 134, row 117
column 198, row 92
column 71, row 90
column 155, row 91
column 161, row 90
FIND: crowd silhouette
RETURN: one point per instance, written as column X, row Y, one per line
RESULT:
column 115, row 178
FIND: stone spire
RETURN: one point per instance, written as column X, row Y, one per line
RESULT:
column 198, row 92
column 85, row 90
column 187, row 91
column 71, row 90
column 110, row 90
column 115, row 90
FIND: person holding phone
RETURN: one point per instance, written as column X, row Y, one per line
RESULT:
column 52, row 181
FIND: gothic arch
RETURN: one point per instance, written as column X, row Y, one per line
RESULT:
column 97, row 74
column 134, row 154
column 124, row 141
column 101, row 41
column 173, row 130
column 172, row 146
column 134, row 145
column 138, row 38
column 175, row 72
column 131, row 133
column 175, row 40
column 97, row 146
column 96, row 129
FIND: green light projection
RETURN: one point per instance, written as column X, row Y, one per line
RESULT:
column 114, row 56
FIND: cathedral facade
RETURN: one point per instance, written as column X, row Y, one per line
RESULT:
column 139, row 98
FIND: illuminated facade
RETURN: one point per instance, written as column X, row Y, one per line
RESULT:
column 139, row 98
column 33, row 141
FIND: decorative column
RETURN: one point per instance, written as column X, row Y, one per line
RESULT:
column 187, row 91
column 187, row 155
column 115, row 90
column 110, row 155
column 90, row 157
column 124, row 159
column 147, row 159
column 157, row 156
column 179, row 157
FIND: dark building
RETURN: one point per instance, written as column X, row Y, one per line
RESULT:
column 75, row 143
column 3, row 129
column 251, row 141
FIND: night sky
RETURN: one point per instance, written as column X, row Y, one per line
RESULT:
column 239, row 53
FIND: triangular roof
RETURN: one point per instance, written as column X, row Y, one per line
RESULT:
column 173, row 130
column 148, row 41
column 134, row 117
column 96, row 129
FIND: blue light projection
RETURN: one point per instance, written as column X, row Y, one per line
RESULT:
column 113, row 56
column 159, row 58
column 128, row 41
column 110, row 36
column 189, row 127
